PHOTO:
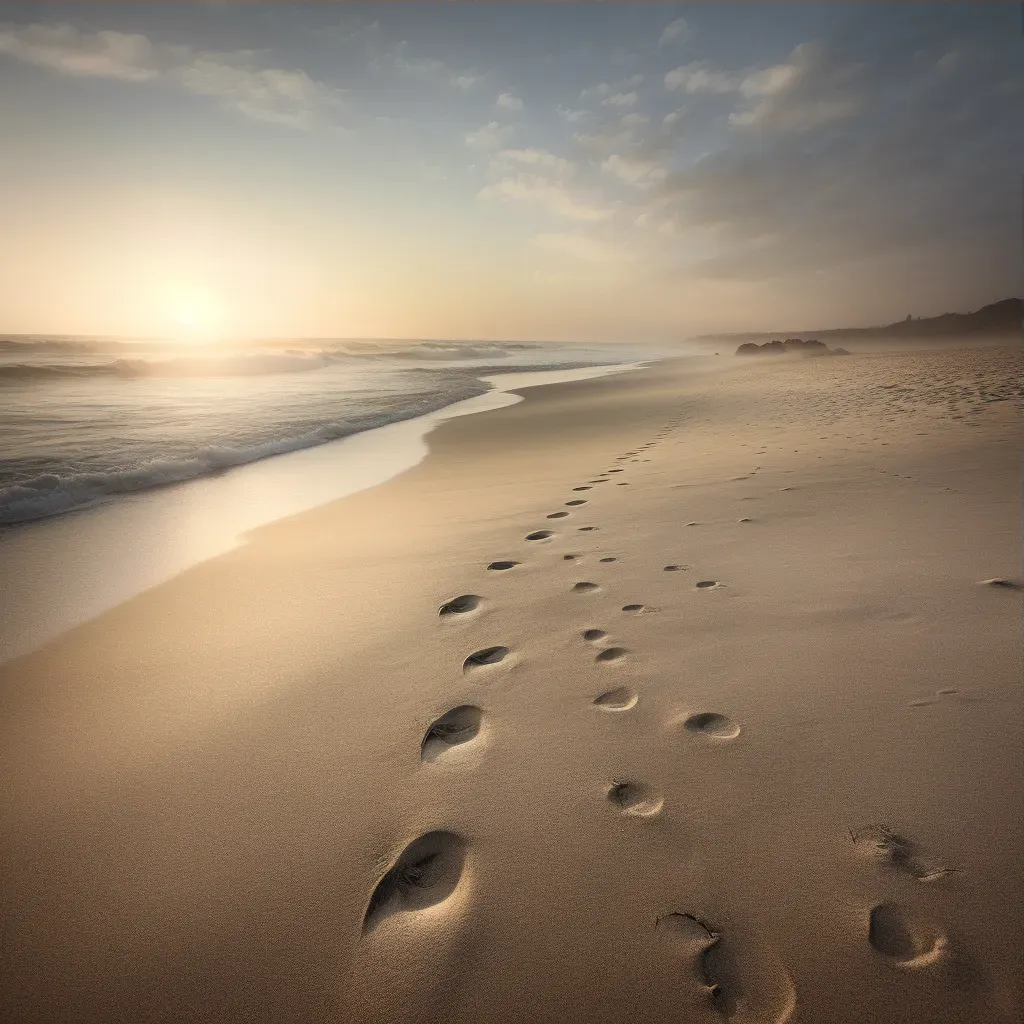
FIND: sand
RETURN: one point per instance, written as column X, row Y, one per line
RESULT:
column 737, row 738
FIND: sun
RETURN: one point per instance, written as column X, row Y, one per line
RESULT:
column 195, row 316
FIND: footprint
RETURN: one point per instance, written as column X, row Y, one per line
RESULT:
column 585, row 588
column 457, row 726
column 485, row 656
column 607, row 559
column 897, row 938
column 577, row 501
column 710, row 723
column 557, row 515
column 593, row 635
column 635, row 799
column 900, row 852
column 622, row 698
column 709, row 585
column 587, row 529
column 585, row 487
column 998, row 581
column 570, row 558
column 424, row 874
column 677, row 568
column 540, row 535
column 460, row 605
column 502, row 566
column 743, row 987
column 615, row 471
column 634, row 609
column 612, row 654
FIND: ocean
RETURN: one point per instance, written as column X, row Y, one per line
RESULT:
column 84, row 421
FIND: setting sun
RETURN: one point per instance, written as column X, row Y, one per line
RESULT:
column 195, row 316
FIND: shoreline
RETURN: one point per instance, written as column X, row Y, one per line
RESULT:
column 208, row 783
column 68, row 568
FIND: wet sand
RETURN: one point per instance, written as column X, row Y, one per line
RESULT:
column 681, row 695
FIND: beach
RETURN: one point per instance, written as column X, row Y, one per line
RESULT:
column 777, row 780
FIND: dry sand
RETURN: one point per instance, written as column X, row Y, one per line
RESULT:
column 740, row 740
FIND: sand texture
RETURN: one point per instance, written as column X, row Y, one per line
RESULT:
column 690, row 695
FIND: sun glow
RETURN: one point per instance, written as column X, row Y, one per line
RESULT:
column 196, row 317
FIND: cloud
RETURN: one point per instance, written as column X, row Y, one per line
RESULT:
column 490, row 136
column 620, row 100
column 66, row 50
column 591, row 250
column 674, row 31
column 697, row 76
column 673, row 118
column 805, row 94
column 466, row 81
column 234, row 80
column 572, row 116
column 508, row 101
column 634, row 169
column 556, row 198
column 889, row 185
column 605, row 89
column 539, row 159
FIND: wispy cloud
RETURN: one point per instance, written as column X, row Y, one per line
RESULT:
column 489, row 136
column 235, row 80
column 508, row 101
column 583, row 247
column 674, row 32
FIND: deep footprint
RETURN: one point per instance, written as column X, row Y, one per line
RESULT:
column 710, row 723
column 502, row 566
column 622, row 698
column 557, row 515
column 577, row 501
column 585, row 588
column 634, row 609
column 453, row 728
column 540, row 535
column 484, row 657
column 635, row 799
column 593, row 635
column 896, row 938
column 460, row 605
column 425, row 873
column 612, row 654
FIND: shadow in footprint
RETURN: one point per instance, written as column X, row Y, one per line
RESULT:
column 502, row 566
column 557, row 515
column 622, row 698
column 425, row 873
column 710, row 723
column 577, row 501
column 893, row 935
column 482, row 658
column 585, row 588
column 453, row 728
column 611, row 654
column 709, row 585
column 540, row 535
column 460, row 605
column 634, row 609
column 593, row 635
column 636, row 799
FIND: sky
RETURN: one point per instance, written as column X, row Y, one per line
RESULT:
column 563, row 171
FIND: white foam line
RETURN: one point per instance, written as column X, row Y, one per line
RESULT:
column 61, row 572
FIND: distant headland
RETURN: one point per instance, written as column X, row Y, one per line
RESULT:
column 998, row 319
